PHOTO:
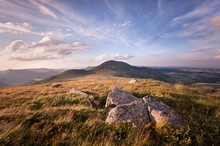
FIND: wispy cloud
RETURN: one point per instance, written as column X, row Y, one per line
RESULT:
column 203, row 10
column 43, row 9
column 15, row 27
column 47, row 48
column 82, row 26
column 159, row 6
column 116, row 56
column 202, row 50
column 115, row 7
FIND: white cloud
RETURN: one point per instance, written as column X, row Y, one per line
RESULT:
column 15, row 27
column 16, row 45
column 47, row 48
column 57, row 34
column 43, row 9
column 105, row 57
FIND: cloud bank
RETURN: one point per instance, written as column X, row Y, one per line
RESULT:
column 105, row 57
column 15, row 27
column 46, row 49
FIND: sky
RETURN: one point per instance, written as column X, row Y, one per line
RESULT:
column 81, row 33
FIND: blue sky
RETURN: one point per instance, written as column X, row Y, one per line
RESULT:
column 79, row 33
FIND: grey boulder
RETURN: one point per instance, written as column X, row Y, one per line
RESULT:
column 118, row 97
column 161, row 114
column 135, row 112
column 140, row 111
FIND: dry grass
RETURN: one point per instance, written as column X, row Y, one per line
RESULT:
column 48, row 114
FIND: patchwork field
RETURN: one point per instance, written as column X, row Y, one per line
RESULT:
column 48, row 114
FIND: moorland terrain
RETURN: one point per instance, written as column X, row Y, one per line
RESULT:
column 46, row 113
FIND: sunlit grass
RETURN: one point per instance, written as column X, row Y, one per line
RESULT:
column 50, row 114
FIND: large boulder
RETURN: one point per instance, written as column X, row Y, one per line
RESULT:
column 135, row 112
column 161, row 114
column 118, row 97
column 140, row 111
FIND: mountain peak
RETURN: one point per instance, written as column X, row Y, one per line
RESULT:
column 112, row 64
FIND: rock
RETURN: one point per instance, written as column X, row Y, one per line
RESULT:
column 88, row 97
column 80, row 93
column 139, row 112
column 132, row 81
column 57, row 86
column 161, row 114
column 118, row 97
column 135, row 112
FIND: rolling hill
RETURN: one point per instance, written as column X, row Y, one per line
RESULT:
column 192, row 75
column 110, row 69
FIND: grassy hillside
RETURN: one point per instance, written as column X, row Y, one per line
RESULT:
column 48, row 114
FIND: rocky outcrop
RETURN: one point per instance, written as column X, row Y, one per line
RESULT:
column 118, row 97
column 140, row 111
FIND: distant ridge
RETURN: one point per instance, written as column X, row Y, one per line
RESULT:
column 110, row 68
column 13, row 77
column 2, row 84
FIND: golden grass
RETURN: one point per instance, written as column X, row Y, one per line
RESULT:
column 49, row 114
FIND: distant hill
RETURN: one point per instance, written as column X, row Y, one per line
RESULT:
column 24, row 76
column 69, row 74
column 2, row 84
column 191, row 75
column 110, row 68
column 122, row 69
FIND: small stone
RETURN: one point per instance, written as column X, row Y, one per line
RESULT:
column 132, row 81
column 88, row 97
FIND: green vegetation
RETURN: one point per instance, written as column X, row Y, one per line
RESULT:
column 49, row 115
